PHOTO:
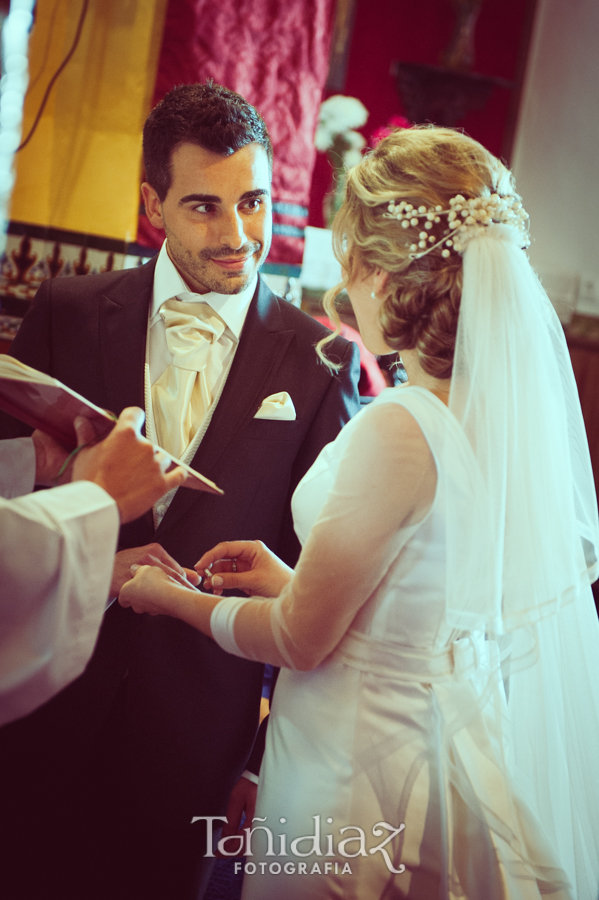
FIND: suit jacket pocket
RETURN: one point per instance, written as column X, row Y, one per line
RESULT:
column 271, row 430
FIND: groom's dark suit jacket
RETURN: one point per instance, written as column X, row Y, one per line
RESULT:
column 161, row 711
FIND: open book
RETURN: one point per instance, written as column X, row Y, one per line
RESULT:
column 45, row 403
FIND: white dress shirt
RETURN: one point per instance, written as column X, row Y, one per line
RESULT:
column 232, row 308
column 56, row 558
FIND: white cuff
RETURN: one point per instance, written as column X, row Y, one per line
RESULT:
column 222, row 622
column 250, row 776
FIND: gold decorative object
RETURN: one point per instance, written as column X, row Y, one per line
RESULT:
column 459, row 55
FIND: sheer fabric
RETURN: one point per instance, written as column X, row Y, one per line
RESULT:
column 514, row 394
column 536, row 540
column 385, row 483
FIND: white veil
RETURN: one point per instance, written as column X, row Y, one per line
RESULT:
column 521, row 560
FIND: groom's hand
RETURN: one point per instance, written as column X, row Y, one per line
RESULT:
column 242, row 803
column 149, row 555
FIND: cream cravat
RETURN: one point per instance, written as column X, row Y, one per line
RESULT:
column 181, row 397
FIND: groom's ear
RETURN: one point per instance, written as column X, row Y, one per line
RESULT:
column 153, row 205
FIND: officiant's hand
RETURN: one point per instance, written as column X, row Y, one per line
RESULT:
column 125, row 464
column 248, row 566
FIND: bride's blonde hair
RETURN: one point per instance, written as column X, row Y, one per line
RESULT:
column 425, row 166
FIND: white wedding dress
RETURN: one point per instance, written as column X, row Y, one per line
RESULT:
column 383, row 714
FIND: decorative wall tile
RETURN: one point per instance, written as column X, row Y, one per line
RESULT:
column 34, row 253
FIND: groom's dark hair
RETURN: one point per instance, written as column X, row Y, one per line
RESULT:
column 209, row 115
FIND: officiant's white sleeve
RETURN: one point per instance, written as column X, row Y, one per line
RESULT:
column 56, row 558
column 385, row 483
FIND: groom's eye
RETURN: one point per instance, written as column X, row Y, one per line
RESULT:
column 253, row 204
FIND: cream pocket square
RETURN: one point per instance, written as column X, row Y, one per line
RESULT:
column 277, row 406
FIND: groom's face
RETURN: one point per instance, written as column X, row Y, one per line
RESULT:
column 217, row 216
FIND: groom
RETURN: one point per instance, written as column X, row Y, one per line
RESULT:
column 100, row 785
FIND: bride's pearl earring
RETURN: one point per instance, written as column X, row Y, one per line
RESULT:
column 373, row 295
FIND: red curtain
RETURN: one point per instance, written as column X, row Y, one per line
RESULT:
column 275, row 54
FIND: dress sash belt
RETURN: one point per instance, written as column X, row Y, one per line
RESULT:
column 457, row 661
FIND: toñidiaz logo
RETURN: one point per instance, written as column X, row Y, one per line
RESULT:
column 352, row 842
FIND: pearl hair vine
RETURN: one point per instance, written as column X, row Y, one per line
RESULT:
column 465, row 219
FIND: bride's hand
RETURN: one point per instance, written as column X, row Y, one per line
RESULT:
column 154, row 591
column 248, row 566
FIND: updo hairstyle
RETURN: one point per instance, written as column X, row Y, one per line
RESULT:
column 425, row 166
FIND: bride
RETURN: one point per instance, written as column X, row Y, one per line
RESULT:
column 435, row 726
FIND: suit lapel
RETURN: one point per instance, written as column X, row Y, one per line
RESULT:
column 262, row 345
column 123, row 332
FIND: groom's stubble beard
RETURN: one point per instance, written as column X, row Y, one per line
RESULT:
column 198, row 268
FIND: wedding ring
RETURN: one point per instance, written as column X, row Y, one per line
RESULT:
column 233, row 565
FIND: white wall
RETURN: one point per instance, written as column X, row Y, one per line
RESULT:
column 556, row 154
